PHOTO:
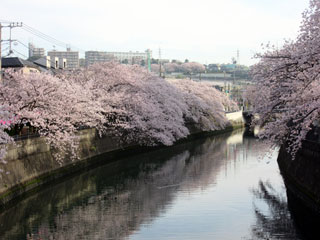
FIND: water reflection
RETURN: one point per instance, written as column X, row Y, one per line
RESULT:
column 276, row 222
column 197, row 190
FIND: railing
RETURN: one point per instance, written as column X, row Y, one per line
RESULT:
column 30, row 135
column 25, row 136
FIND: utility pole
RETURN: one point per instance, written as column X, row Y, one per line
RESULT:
column 160, row 62
column 149, row 60
column 238, row 56
column 10, row 25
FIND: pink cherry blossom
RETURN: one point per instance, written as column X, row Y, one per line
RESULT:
column 287, row 95
column 124, row 100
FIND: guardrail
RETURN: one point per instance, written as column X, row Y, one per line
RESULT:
column 25, row 136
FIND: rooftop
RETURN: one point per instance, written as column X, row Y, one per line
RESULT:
column 16, row 62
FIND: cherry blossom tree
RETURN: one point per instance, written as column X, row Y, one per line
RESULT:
column 143, row 108
column 188, row 68
column 6, row 122
column 139, row 107
column 206, row 104
column 288, row 85
column 249, row 95
column 123, row 100
column 54, row 106
column 155, row 68
column 193, row 67
column 172, row 67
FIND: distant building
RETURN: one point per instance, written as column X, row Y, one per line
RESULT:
column 228, row 67
column 36, row 52
column 72, row 57
column 19, row 64
column 43, row 62
column 82, row 62
column 92, row 57
column 164, row 61
column 51, row 63
column 213, row 68
column 123, row 57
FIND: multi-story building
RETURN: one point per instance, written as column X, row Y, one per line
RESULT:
column 124, row 57
column 72, row 57
column 35, row 52
column 92, row 57
column 82, row 62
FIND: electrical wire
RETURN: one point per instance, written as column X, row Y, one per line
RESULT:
column 20, row 53
column 3, row 50
column 23, row 44
column 43, row 34
column 47, row 37
column 5, row 21
column 51, row 61
column 44, row 38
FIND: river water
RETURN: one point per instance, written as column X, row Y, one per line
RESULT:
column 222, row 187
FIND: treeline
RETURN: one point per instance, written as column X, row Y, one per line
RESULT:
column 126, row 100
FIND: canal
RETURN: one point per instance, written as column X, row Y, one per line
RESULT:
column 221, row 187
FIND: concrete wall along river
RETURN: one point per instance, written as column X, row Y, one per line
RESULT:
column 30, row 162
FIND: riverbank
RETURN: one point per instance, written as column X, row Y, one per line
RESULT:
column 303, row 173
column 302, row 177
column 31, row 165
column 220, row 179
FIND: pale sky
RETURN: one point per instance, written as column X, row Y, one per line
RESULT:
column 206, row 31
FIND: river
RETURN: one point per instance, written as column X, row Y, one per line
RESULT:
column 223, row 187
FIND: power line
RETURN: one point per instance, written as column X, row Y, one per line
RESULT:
column 48, row 38
column 51, row 61
column 3, row 50
column 44, row 35
column 20, row 53
column 10, row 26
column 5, row 21
column 44, row 38
column 22, row 44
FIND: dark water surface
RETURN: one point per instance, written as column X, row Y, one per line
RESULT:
column 216, row 188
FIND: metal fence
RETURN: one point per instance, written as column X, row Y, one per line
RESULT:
column 25, row 136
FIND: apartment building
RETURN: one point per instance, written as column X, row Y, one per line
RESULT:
column 72, row 57
column 123, row 57
column 36, row 52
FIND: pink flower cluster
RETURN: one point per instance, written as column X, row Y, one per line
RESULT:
column 287, row 93
column 126, row 100
column 4, row 122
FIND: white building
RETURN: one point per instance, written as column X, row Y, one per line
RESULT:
column 92, row 57
column 72, row 57
column 36, row 52
column 51, row 63
column 124, row 57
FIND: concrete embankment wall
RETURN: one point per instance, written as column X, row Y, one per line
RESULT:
column 30, row 162
column 302, row 178
column 302, row 175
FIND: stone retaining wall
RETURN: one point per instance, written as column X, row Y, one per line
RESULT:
column 302, row 175
column 30, row 162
